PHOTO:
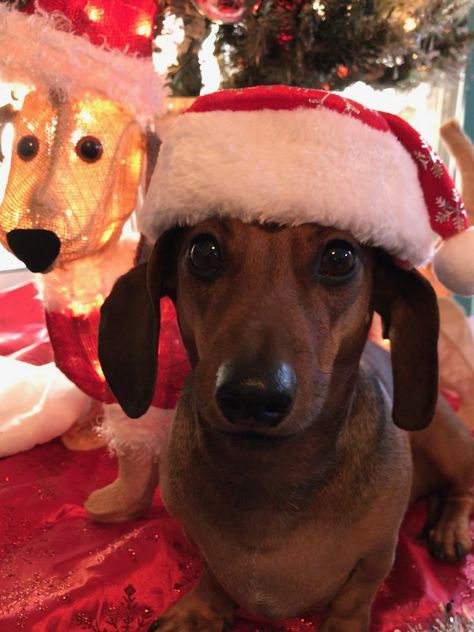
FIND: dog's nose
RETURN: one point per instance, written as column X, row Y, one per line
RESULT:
column 254, row 394
column 37, row 248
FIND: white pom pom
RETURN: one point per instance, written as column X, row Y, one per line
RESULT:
column 453, row 263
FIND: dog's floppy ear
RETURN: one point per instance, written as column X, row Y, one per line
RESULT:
column 129, row 330
column 409, row 310
column 153, row 144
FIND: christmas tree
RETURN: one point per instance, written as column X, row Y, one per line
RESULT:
column 320, row 43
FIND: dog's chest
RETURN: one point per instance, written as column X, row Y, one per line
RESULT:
column 298, row 575
column 279, row 560
column 291, row 574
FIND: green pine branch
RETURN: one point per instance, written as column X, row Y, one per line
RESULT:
column 329, row 44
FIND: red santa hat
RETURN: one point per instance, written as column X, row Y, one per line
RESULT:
column 295, row 155
column 77, row 45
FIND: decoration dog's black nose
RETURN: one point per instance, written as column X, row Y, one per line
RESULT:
column 37, row 248
column 253, row 394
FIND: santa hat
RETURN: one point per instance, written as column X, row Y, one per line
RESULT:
column 294, row 155
column 75, row 45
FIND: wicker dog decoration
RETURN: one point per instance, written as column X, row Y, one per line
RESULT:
column 78, row 149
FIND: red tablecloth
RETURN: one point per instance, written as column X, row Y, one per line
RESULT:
column 61, row 572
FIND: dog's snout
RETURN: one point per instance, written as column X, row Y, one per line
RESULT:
column 252, row 394
column 37, row 248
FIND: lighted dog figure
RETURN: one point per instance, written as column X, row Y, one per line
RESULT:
column 76, row 167
column 79, row 149
column 289, row 462
column 75, row 172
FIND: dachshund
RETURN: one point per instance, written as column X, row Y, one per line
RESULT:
column 297, row 445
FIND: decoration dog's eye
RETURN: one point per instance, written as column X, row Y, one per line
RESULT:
column 204, row 256
column 89, row 149
column 338, row 260
column 27, row 147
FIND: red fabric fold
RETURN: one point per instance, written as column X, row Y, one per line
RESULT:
column 23, row 332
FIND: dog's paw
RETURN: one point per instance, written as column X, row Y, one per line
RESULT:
column 190, row 615
column 450, row 540
column 113, row 504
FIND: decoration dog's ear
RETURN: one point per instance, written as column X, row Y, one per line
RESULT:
column 153, row 144
column 129, row 329
column 409, row 310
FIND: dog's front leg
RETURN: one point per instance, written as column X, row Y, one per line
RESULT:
column 350, row 609
column 131, row 493
column 207, row 608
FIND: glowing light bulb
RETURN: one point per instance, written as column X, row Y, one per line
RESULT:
column 85, row 116
column 172, row 35
column 210, row 71
column 410, row 24
column 94, row 13
column 98, row 369
column 144, row 27
column 342, row 71
column 320, row 9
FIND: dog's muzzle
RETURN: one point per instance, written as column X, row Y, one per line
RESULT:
column 37, row 248
column 255, row 395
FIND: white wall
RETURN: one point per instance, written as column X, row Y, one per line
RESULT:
column 12, row 272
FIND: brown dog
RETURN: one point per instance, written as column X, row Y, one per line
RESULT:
column 288, row 463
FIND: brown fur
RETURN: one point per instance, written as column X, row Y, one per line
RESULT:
column 305, row 514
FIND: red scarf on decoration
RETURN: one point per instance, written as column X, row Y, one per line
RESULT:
column 74, row 340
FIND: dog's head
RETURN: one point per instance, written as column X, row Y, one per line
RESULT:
column 274, row 320
column 75, row 169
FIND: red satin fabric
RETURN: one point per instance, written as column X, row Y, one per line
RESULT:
column 61, row 572
column 23, row 331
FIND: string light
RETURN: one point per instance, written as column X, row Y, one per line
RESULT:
column 93, row 12
column 168, row 43
column 342, row 71
column 320, row 8
column 98, row 369
column 144, row 27
column 172, row 35
column 410, row 24
column 209, row 66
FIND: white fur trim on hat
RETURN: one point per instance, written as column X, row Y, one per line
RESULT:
column 290, row 167
column 33, row 51
column 453, row 262
column 144, row 435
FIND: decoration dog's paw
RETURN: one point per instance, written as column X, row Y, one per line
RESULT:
column 113, row 504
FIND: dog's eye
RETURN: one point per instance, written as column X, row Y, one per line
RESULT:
column 204, row 256
column 27, row 147
column 89, row 149
column 338, row 260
